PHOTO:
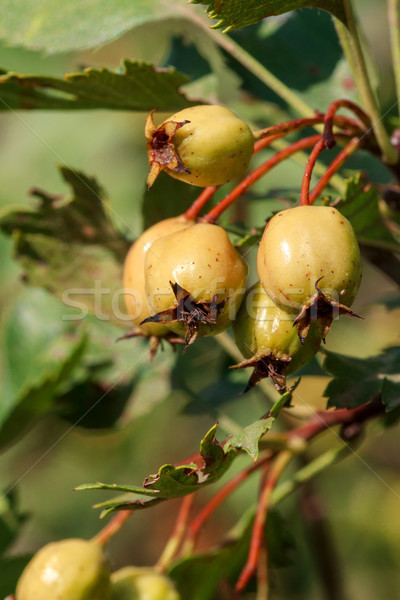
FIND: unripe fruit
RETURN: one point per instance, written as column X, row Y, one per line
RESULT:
column 201, row 145
column 195, row 280
column 266, row 337
column 133, row 276
column 309, row 264
column 72, row 569
column 134, row 583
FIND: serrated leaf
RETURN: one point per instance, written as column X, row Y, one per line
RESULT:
column 11, row 519
column 11, row 568
column 137, row 86
column 248, row 438
column 358, row 380
column 173, row 482
column 69, row 247
column 240, row 13
column 360, row 205
column 76, row 24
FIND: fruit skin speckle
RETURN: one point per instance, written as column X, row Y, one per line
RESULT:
column 306, row 244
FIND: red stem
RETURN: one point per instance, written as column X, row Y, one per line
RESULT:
column 224, row 492
column 177, row 534
column 298, row 124
column 259, row 522
column 112, row 527
column 200, row 201
column 248, row 181
column 305, row 186
column 334, row 167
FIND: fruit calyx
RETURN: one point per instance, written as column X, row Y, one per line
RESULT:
column 322, row 309
column 160, row 149
column 189, row 312
column 155, row 341
column 263, row 367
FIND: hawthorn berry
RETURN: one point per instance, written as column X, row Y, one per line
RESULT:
column 267, row 339
column 194, row 281
column 72, row 569
column 141, row 583
column 309, row 264
column 134, row 284
column 202, row 145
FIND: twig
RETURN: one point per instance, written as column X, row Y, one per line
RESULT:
column 177, row 535
column 259, row 522
column 112, row 527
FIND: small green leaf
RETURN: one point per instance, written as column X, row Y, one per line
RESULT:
column 284, row 400
column 240, row 13
column 170, row 481
column 137, row 86
column 360, row 206
column 356, row 380
column 248, row 438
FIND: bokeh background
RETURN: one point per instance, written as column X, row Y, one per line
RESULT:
column 361, row 496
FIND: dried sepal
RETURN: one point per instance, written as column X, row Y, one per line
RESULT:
column 321, row 309
column 189, row 312
column 155, row 341
column 267, row 366
column 160, row 149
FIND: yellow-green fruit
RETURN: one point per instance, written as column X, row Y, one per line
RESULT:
column 134, row 583
column 305, row 247
column 71, row 569
column 262, row 329
column 215, row 145
column 133, row 276
column 202, row 261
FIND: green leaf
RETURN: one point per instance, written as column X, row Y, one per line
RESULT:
column 137, row 86
column 170, row 481
column 284, row 400
column 38, row 364
column 240, row 13
column 69, row 247
column 11, row 568
column 76, row 24
column 356, row 380
column 11, row 519
column 248, row 438
column 361, row 206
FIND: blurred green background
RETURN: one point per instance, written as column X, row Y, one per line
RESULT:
column 361, row 495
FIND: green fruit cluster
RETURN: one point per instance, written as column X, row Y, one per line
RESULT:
column 188, row 280
column 76, row 569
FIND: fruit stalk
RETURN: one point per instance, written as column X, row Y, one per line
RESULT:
column 248, row 181
column 220, row 496
column 177, row 535
column 305, row 186
column 112, row 527
column 335, row 165
column 259, row 523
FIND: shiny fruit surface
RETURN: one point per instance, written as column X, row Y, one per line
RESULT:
column 306, row 247
column 202, row 261
column 72, row 569
column 201, row 145
column 133, row 275
column 134, row 583
column 263, row 329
